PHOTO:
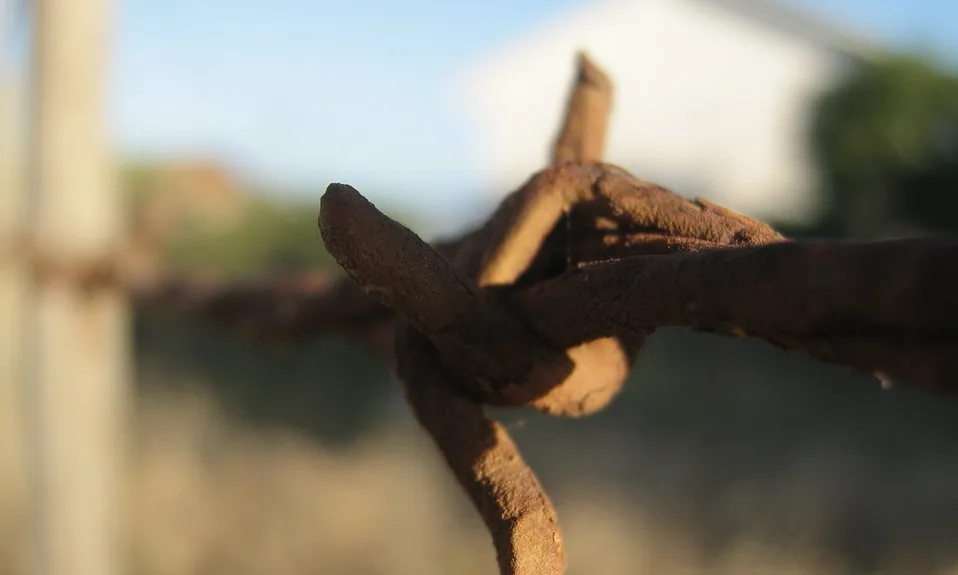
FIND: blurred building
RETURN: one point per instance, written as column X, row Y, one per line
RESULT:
column 712, row 96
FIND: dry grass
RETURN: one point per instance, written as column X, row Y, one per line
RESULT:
column 211, row 497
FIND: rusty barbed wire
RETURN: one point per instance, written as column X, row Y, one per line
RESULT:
column 536, row 310
column 549, row 302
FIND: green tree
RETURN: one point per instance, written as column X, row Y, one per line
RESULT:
column 886, row 141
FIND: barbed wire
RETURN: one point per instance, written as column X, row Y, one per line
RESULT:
column 549, row 302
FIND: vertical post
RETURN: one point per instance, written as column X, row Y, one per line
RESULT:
column 12, row 285
column 77, row 363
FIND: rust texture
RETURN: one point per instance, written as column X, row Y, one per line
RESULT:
column 514, row 506
column 548, row 303
column 582, row 136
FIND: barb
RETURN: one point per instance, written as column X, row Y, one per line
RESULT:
column 516, row 509
column 496, row 354
column 582, row 137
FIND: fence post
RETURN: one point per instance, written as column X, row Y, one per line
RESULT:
column 12, row 285
column 76, row 339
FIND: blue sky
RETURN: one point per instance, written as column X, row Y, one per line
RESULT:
column 298, row 93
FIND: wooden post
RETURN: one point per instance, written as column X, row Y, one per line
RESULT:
column 12, row 286
column 76, row 367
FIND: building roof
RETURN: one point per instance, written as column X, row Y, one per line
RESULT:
column 804, row 23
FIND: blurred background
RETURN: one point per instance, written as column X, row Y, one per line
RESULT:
column 227, row 119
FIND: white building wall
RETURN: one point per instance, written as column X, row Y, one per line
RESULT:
column 708, row 100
